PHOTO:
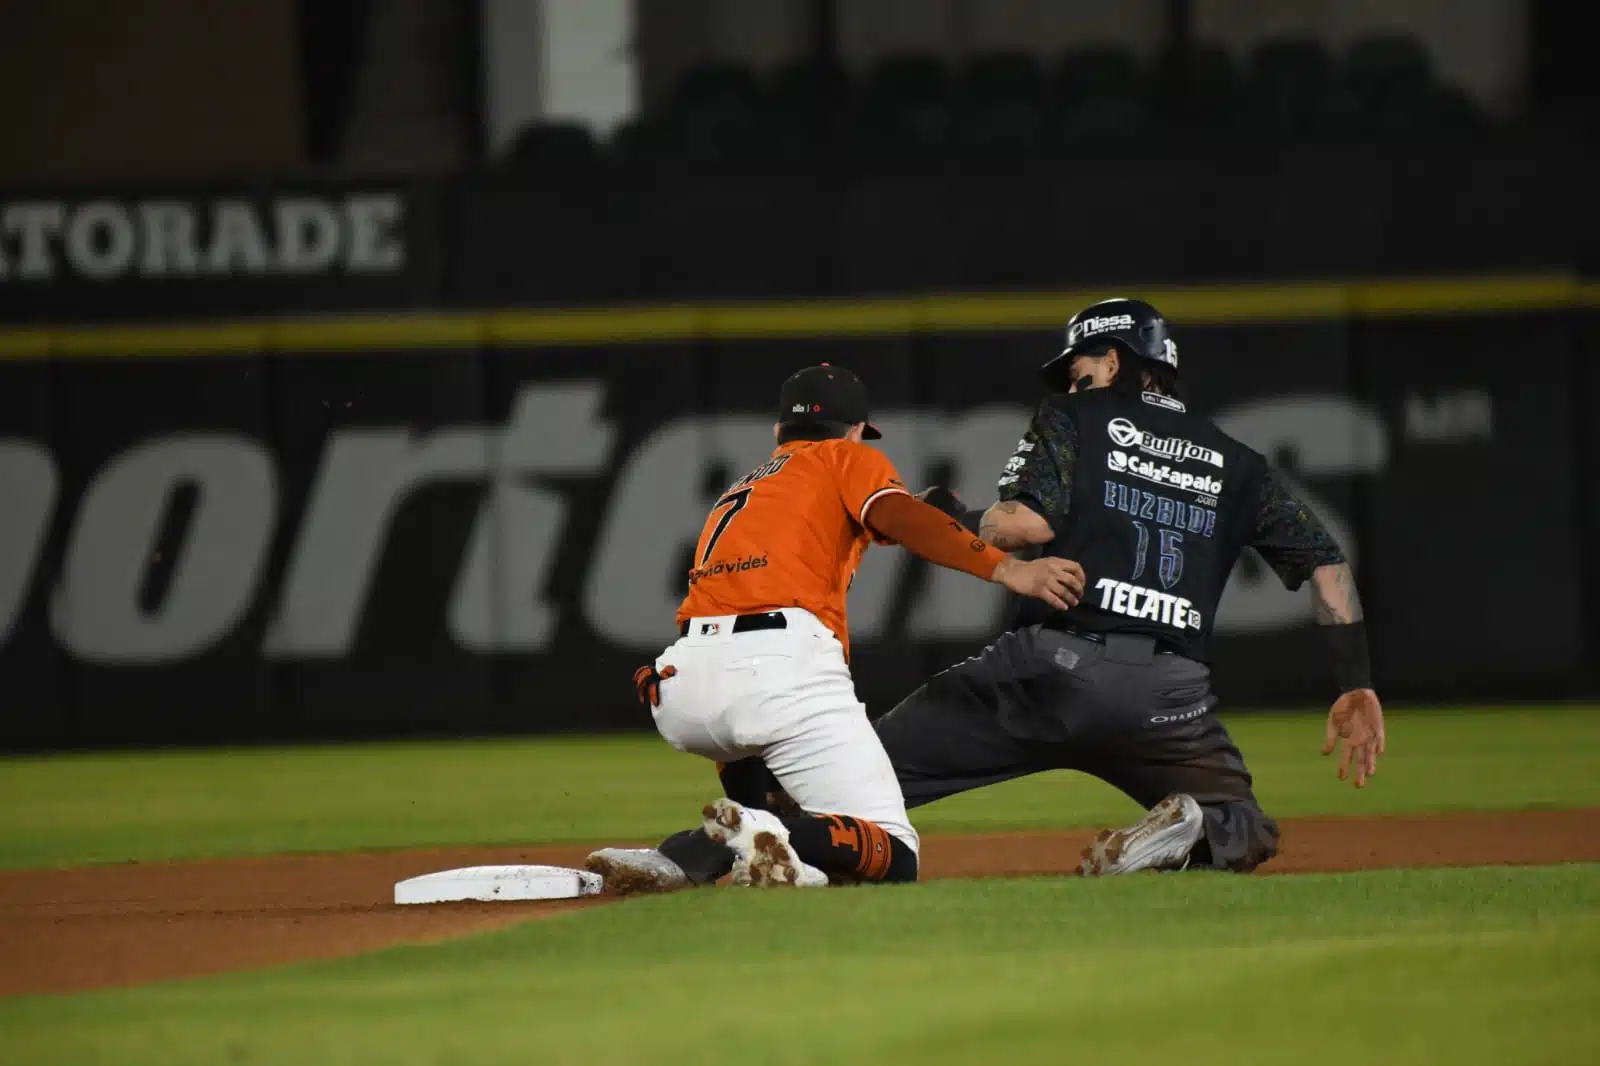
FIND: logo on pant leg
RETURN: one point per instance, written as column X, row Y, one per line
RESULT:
column 1182, row 716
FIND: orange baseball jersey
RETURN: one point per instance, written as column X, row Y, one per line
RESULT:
column 790, row 534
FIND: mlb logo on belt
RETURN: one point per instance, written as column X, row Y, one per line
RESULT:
column 710, row 629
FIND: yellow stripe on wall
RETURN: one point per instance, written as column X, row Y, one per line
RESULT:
column 1270, row 302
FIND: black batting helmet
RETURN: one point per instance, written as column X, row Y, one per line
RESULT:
column 1132, row 325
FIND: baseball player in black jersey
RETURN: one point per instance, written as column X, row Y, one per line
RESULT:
column 1156, row 503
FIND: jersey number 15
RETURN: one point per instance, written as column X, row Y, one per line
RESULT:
column 1169, row 571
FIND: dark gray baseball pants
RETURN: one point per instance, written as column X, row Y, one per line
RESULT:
column 1036, row 699
column 1113, row 706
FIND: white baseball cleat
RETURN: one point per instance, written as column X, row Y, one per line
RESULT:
column 1161, row 840
column 633, row 871
column 761, row 843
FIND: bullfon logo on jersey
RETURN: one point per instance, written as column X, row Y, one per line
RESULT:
column 1127, row 435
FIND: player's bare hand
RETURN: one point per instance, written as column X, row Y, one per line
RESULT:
column 1356, row 719
column 1058, row 582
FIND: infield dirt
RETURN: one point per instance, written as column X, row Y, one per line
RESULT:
column 67, row 930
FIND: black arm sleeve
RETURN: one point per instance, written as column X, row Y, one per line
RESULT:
column 1290, row 538
column 1039, row 474
column 1352, row 663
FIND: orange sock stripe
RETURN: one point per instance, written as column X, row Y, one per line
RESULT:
column 876, row 850
column 863, row 850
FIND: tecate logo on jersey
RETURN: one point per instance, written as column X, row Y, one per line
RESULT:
column 1201, row 484
column 1125, row 434
column 1136, row 601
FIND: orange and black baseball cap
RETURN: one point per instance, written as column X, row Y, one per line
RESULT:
column 825, row 393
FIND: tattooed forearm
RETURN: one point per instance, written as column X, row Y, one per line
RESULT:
column 1334, row 600
column 1004, row 542
column 989, row 528
column 1011, row 526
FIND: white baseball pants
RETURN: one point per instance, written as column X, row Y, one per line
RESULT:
column 787, row 696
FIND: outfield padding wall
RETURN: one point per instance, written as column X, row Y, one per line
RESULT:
column 301, row 485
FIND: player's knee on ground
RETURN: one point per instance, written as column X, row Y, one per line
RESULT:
column 749, row 783
column 702, row 859
column 854, row 848
column 1238, row 836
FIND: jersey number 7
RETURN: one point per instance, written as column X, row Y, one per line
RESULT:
column 734, row 502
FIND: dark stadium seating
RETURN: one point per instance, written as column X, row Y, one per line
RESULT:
column 1287, row 88
column 1004, row 105
column 919, row 111
column 1103, row 95
column 806, row 108
column 553, row 145
column 907, row 110
column 1204, row 91
column 1386, row 88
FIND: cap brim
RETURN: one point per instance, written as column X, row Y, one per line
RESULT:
column 870, row 432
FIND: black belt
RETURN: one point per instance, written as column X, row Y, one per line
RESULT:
column 748, row 623
column 1162, row 647
column 1061, row 625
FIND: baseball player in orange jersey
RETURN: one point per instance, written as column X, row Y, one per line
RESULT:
column 760, row 666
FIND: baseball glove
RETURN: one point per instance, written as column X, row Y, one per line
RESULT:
column 944, row 500
column 647, row 683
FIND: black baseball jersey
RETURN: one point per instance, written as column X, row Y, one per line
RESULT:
column 1155, row 503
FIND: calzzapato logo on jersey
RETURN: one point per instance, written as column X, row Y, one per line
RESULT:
column 1124, row 434
column 1162, row 474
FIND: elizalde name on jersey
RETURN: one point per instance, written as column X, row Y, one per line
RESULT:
column 1136, row 601
column 1163, row 510
column 1123, row 463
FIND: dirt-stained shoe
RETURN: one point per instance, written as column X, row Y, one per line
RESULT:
column 761, row 843
column 1161, row 840
column 634, row 871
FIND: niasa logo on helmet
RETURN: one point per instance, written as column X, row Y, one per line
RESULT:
column 1091, row 326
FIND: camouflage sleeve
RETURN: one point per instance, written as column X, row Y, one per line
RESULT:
column 1289, row 536
column 1040, row 472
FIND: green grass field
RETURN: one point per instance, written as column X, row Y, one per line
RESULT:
column 111, row 808
column 1462, row 966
